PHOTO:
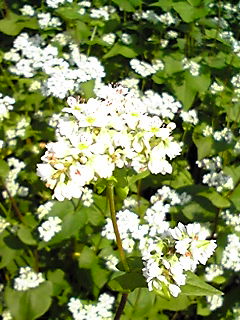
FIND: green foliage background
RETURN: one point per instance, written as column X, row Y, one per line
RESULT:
column 73, row 261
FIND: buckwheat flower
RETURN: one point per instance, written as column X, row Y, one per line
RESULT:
column 27, row 10
column 172, row 34
column 55, row 3
column 86, row 4
column 6, row 315
column 231, row 254
column 12, row 55
column 49, row 228
column 163, row 43
column 111, row 261
column 6, row 105
column 192, row 66
column 44, row 209
column 98, row 311
column 236, row 81
column 126, row 38
column 225, row 134
column 109, row 38
column 3, row 224
column 112, row 130
column 218, row 180
column 145, row 69
column 215, row 302
column 27, row 279
column 103, row 12
column 35, row 85
column 87, row 197
column 215, row 88
column 189, row 116
column 45, row 20
column 207, row 131
column 167, row 19
column 212, row 271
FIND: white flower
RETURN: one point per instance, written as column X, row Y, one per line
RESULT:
column 27, row 279
column 109, row 38
column 49, row 228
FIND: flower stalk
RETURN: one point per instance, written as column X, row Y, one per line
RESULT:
column 110, row 194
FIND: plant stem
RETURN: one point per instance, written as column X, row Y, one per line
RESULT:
column 121, row 306
column 110, row 193
column 13, row 203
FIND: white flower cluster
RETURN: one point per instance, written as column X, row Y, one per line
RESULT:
column 3, row 224
column 44, row 209
column 87, row 197
column 231, row 219
column 27, row 279
column 104, row 12
column 99, row 311
column 215, row 88
column 231, row 254
column 12, row 185
column 164, row 106
column 212, row 271
column 215, row 178
column 192, row 66
column 126, row 38
column 214, row 301
column 168, row 257
column 45, row 20
column 129, row 228
column 152, row 17
column 112, row 130
column 6, row 315
column 49, row 228
column 63, row 75
column 189, row 116
column 109, row 38
column 27, row 10
column 111, row 262
column 6, row 105
column 225, row 134
column 236, row 311
column 145, row 69
column 55, row 3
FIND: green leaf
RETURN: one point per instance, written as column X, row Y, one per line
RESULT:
column 195, row 286
column 4, row 169
column 173, row 304
column 88, row 88
column 122, row 50
column 125, row 5
column 134, row 263
column 204, row 144
column 235, row 197
column 30, row 304
column 13, row 24
column 139, row 304
column 137, row 176
column 128, row 282
column 25, row 235
column 166, row 5
column 57, row 279
column 216, row 199
column 69, row 13
column 189, row 13
column 195, row 3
